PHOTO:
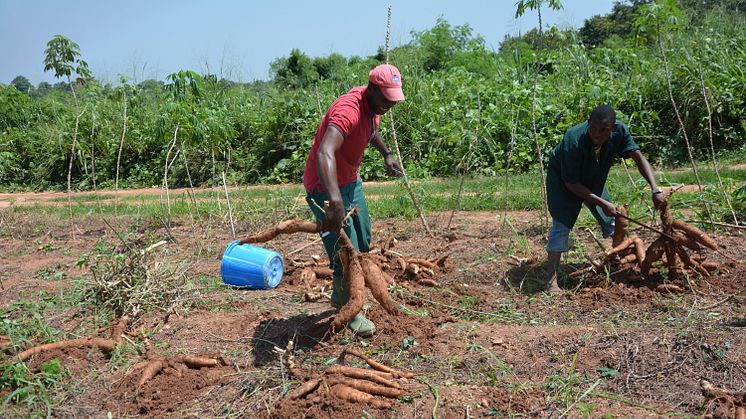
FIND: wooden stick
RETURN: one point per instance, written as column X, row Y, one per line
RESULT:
column 305, row 246
column 712, row 146
column 412, row 195
column 230, row 210
column 740, row 227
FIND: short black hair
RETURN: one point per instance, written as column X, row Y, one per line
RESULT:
column 603, row 113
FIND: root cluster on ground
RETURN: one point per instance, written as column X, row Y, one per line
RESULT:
column 154, row 365
column 177, row 364
column 375, row 386
column 721, row 402
column 629, row 252
column 361, row 270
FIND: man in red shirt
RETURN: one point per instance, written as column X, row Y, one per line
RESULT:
column 331, row 172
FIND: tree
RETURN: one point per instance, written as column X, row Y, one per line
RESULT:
column 597, row 29
column 442, row 42
column 330, row 67
column 42, row 89
column 297, row 70
column 22, row 84
column 63, row 56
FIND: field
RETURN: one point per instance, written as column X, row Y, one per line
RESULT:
column 483, row 342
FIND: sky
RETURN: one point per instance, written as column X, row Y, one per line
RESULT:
column 142, row 39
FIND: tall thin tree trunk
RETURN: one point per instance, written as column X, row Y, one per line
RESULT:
column 93, row 167
column 412, row 195
column 508, row 158
column 705, row 96
column 119, row 154
column 72, row 157
column 228, row 202
column 166, row 167
column 192, row 197
column 93, row 158
column 683, row 128
column 466, row 163
column 545, row 220
column 189, row 177
column 212, row 189
column 228, row 163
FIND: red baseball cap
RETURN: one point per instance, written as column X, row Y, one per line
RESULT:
column 388, row 78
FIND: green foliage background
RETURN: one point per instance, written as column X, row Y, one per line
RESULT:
column 456, row 89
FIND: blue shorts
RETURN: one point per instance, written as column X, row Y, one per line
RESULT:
column 559, row 234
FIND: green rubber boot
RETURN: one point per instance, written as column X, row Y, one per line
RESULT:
column 340, row 295
column 362, row 326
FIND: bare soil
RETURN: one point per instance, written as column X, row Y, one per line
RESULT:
column 486, row 341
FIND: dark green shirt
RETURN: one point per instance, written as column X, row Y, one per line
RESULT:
column 574, row 160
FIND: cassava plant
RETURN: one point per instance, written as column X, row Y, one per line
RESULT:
column 63, row 56
column 124, row 89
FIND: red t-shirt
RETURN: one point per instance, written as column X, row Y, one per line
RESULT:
column 351, row 115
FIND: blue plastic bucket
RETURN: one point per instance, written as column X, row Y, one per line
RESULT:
column 251, row 267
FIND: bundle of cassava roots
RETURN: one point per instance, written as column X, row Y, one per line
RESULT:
column 682, row 254
column 361, row 270
column 377, row 386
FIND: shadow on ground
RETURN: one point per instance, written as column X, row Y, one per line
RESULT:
column 305, row 330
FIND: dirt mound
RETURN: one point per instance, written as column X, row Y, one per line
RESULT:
column 168, row 392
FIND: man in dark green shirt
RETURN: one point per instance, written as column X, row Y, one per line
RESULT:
column 578, row 168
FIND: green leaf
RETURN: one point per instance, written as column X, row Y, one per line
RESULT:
column 607, row 372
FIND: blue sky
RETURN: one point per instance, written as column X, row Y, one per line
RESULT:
column 150, row 39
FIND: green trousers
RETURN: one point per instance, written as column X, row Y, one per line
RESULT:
column 357, row 227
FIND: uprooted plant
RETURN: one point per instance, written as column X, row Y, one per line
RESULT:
column 132, row 281
column 675, row 242
column 360, row 269
column 394, row 266
column 148, row 369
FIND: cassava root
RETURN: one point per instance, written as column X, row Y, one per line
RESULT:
column 373, row 386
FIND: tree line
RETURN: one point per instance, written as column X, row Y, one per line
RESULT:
column 464, row 102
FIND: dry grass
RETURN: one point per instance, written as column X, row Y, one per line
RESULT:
column 134, row 281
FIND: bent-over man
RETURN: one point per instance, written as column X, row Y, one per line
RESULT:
column 331, row 173
column 578, row 168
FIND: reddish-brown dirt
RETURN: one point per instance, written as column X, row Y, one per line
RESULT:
column 486, row 341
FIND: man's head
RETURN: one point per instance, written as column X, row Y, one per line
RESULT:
column 600, row 124
column 384, row 88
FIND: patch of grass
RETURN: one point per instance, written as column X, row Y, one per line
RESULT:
column 499, row 365
column 51, row 273
column 565, row 387
column 391, row 199
column 31, row 388
column 24, row 324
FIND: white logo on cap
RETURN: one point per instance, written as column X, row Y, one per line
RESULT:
column 395, row 79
